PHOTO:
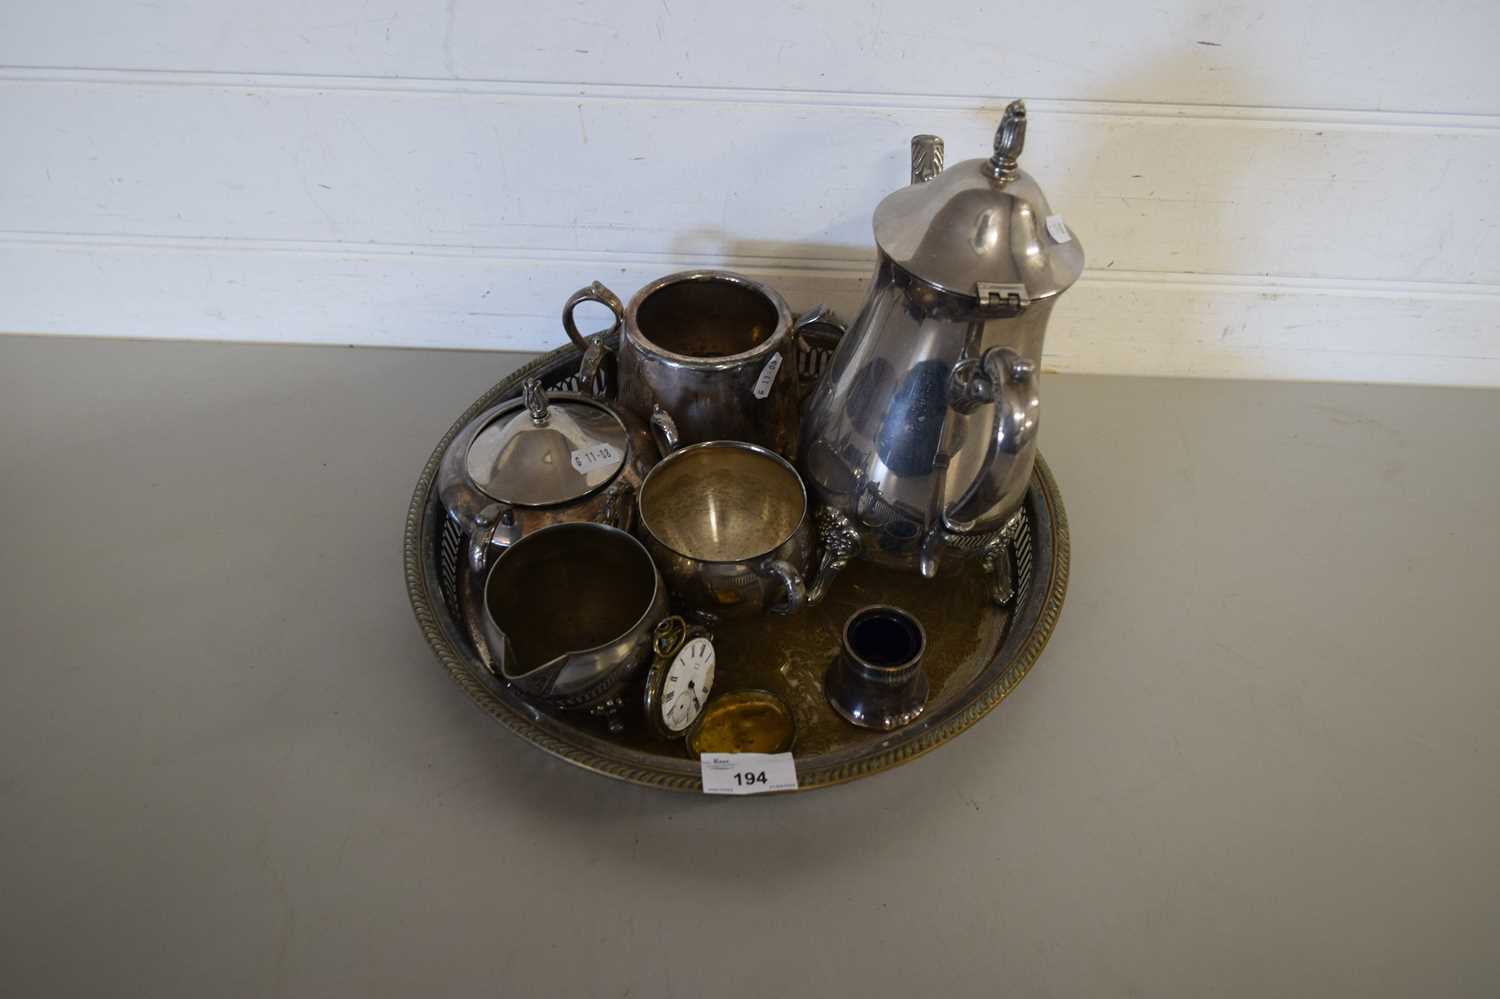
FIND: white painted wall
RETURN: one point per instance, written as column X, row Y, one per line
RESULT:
column 1282, row 189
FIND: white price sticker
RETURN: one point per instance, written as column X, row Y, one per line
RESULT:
column 1057, row 229
column 767, row 377
column 598, row 456
column 748, row 773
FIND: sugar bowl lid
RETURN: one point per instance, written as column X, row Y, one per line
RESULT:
column 981, row 227
column 547, row 451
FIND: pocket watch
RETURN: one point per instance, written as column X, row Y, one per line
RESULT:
column 680, row 677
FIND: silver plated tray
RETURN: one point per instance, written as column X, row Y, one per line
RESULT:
column 977, row 651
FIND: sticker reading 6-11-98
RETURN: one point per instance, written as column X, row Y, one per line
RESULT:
column 767, row 377
column 597, row 456
column 748, row 773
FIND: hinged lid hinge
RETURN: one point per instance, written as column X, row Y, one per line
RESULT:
column 1001, row 299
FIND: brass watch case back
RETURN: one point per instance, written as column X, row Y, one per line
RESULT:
column 977, row 651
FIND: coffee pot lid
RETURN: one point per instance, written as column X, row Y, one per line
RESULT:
column 982, row 227
column 547, row 451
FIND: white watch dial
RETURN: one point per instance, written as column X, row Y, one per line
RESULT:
column 688, row 681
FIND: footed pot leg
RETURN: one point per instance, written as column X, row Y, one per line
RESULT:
column 996, row 562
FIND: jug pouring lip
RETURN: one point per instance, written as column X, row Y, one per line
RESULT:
column 773, row 342
column 557, row 663
column 551, row 666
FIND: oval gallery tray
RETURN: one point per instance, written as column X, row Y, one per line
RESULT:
column 978, row 651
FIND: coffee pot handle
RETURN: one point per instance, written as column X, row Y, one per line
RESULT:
column 594, row 349
column 1002, row 378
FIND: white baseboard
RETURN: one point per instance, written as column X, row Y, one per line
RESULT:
column 1137, row 323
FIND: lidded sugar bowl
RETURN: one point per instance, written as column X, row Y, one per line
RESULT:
column 922, row 430
column 531, row 462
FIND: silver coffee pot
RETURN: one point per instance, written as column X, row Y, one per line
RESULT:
column 922, row 430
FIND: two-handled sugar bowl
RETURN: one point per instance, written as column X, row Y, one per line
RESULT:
column 716, row 350
column 530, row 462
column 729, row 525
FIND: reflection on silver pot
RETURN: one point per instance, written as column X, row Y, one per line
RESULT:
column 923, row 427
column 728, row 524
column 569, row 613
column 714, row 349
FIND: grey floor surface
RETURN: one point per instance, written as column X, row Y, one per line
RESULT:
column 1258, row 758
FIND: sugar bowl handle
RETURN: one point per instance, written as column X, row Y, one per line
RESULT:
column 594, row 349
column 664, row 431
column 817, row 334
column 819, row 327
column 494, row 527
column 794, row 589
column 838, row 542
column 619, row 505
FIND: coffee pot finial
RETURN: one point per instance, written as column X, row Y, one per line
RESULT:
column 1010, row 139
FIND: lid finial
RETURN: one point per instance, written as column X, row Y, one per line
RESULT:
column 536, row 401
column 1010, row 139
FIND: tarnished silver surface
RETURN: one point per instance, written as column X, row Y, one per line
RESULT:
column 712, row 348
column 973, row 663
column 981, row 220
column 877, row 681
column 727, row 523
column 922, row 430
column 569, row 613
column 528, row 457
column 510, row 471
